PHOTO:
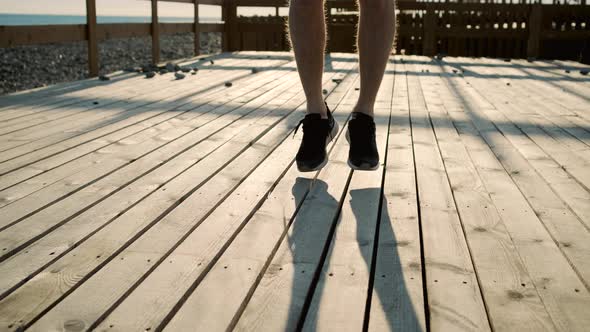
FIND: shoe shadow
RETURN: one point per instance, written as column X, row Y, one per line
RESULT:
column 310, row 229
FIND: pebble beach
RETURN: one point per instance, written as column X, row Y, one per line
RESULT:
column 33, row 66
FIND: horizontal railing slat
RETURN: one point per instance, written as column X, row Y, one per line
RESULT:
column 201, row 2
column 36, row 34
column 43, row 34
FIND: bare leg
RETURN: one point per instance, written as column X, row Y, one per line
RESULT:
column 374, row 42
column 307, row 28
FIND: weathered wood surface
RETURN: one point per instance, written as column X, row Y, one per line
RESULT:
column 175, row 204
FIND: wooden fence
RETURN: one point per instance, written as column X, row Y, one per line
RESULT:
column 428, row 28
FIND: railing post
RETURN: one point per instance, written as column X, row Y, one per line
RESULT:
column 155, row 33
column 429, row 37
column 231, row 38
column 91, row 37
column 535, row 27
column 329, row 24
column 197, row 33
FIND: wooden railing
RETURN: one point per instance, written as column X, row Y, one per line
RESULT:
column 94, row 33
column 509, row 30
column 471, row 29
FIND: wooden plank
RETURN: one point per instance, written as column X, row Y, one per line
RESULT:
column 575, row 196
column 161, row 211
column 172, row 28
column 20, row 118
column 551, row 103
column 38, row 95
column 180, row 92
column 177, row 91
column 89, row 218
column 397, row 302
column 561, row 221
column 447, row 260
column 340, row 295
column 558, row 70
column 564, row 295
column 278, row 301
column 549, row 122
column 89, row 141
column 145, row 149
column 570, row 93
column 175, row 280
column 106, row 31
column 500, row 270
column 11, row 36
column 96, row 102
column 134, row 88
column 14, row 183
column 203, row 2
column 92, row 41
column 570, row 65
column 61, row 95
column 174, row 227
column 166, row 185
column 129, row 178
column 211, row 27
column 42, row 100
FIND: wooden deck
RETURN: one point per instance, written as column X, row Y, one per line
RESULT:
column 159, row 204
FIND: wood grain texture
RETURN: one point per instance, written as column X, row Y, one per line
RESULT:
column 447, row 257
column 397, row 302
column 177, row 205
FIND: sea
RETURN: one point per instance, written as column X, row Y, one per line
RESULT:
column 27, row 19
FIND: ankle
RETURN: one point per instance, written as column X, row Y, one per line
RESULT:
column 365, row 110
column 317, row 108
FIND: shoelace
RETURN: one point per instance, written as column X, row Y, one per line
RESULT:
column 297, row 127
column 313, row 132
column 305, row 125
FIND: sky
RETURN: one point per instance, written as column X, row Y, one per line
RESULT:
column 104, row 8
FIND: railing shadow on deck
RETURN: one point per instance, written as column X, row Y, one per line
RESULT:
column 188, row 108
column 184, row 105
column 355, row 203
column 527, row 75
column 462, row 66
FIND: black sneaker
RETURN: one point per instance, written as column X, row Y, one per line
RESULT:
column 317, row 133
column 363, row 154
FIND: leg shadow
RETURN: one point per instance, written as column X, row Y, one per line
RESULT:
column 391, row 289
column 308, row 243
